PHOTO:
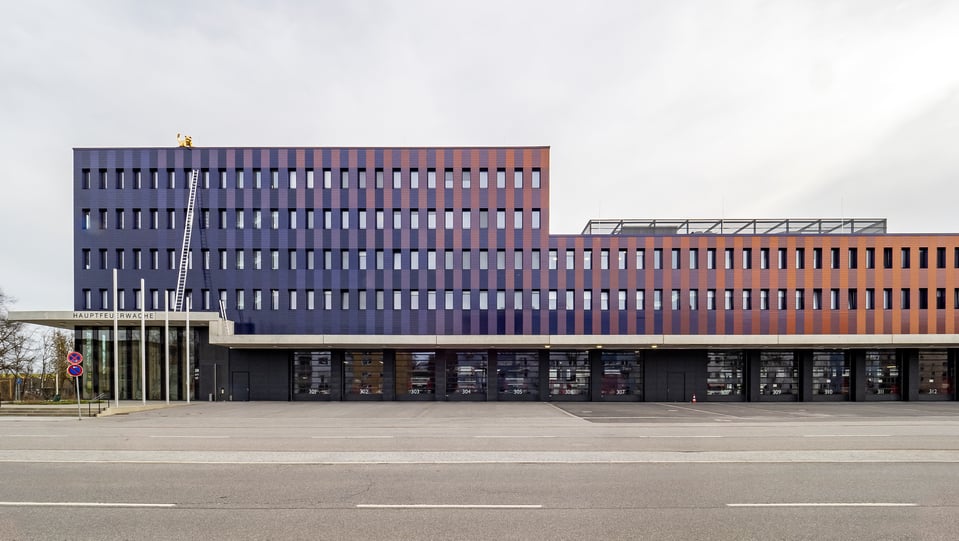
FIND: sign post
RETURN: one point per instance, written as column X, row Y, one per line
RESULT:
column 75, row 370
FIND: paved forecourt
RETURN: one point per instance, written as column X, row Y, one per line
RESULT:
column 476, row 471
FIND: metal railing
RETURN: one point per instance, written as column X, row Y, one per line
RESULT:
column 785, row 226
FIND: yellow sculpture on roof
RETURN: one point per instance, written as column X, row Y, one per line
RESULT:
column 184, row 141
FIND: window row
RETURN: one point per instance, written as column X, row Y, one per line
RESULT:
column 275, row 178
column 815, row 299
column 307, row 218
column 696, row 258
column 310, row 259
column 346, row 259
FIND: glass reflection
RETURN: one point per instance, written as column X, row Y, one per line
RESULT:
column 724, row 373
column 830, row 373
column 883, row 373
column 466, row 374
column 517, row 374
column 935, row 374
column 363, row 372
column 622, row 374
column 778, row 374
column 312, row 372
column 568, row 373
column 415, row 373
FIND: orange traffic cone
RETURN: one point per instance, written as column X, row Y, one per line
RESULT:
column 694, row 399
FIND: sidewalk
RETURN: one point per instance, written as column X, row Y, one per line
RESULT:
column 107, row 407
column 133, row 406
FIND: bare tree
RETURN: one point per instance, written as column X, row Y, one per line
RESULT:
column 55, row 345
column 16, row 350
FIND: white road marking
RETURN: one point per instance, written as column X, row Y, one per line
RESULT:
column 84, row 504
column 516, row 437
column 67, row 456
column 847, row 435
column 445, row 506
column 656, row 437
column 697, row 410
column 812, row 504
column 351, row 437
column 200, row 437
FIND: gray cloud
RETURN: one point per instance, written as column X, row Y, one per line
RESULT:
column 652, row 109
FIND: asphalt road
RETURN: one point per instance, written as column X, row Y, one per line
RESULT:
column 486, row 471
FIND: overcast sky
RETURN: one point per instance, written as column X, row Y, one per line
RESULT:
column 653, row 109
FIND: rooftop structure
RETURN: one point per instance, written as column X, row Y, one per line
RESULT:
column 782, row 226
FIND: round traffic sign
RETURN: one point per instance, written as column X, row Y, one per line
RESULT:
column 74, row 357
column 75, row 370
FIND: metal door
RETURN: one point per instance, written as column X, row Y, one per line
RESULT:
column 676, row 387
column 240, row 386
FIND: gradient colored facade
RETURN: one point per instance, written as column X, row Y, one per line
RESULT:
column 433, row 270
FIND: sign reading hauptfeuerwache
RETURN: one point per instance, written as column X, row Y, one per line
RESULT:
column 136, row 316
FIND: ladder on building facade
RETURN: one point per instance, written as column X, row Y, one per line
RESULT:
column 185, row 248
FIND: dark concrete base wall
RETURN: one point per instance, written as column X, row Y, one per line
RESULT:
column 675, row 376
column 266, row 373
column 668, row 376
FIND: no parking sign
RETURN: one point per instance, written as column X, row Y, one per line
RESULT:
column 75, row 370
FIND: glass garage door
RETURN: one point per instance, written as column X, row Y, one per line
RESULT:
column 622, row 376
column 883, row 376
column 778, row 376
column 363, row 375
column 415, row 375
column 936, row 375
column 830, row 375
column 466, row 376
column 724, row 376
column 568, row 375
column 312, row 372
column 517, row 376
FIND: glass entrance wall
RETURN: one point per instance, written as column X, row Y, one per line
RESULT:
column 778, row 375
column 156, row 364
column 569, row 373
column 830, row 374
column 883, row 374
column 724, row 374
column 517, row 375
column 312, row 373
column 98, row 372
column 363, row 373
column 415, row 373
column 128, row 365
column 936, row 375
column 466, row 374
column 96, row 346
column 622, row 374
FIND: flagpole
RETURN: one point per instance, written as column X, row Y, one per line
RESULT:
column 143, row 343
column 166, row 341
column 116, row 346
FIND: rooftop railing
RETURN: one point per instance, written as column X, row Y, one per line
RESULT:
column 787, row 226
